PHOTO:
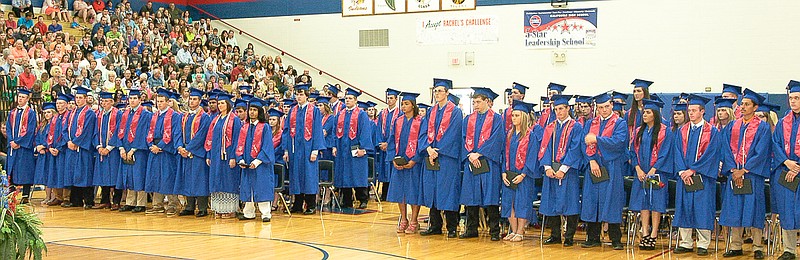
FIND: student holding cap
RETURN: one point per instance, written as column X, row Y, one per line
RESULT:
column 520, row 167
column 787, row 157
column 406, row 162
column 81, row 128
column 354, row 139
column 746, row 163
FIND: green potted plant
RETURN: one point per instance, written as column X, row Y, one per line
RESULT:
column 20, row 232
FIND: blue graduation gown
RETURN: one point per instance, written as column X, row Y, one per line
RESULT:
column 521, row 199
column 385, row 129
column 655, row 199
column 223, row 178
column 747, row 210
column 132, row 177
column 21, row 162
column 562, row 197
column 56, row 177
column 440, row 189
column 696, row 209
column 45, row 162
column 787, row 201
column 303, row 173
column 484, row 189
column 81, row 162
column 192, row 177
column 353, row 171
column 106, row 168
column 257, row 185
column 406, row 184
column 602, row 201
column 162, row 167
column 327, row 153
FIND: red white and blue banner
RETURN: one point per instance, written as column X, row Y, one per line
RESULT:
column 561, row 28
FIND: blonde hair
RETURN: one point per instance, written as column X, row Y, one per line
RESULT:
column 524, row 125
column 728, row 111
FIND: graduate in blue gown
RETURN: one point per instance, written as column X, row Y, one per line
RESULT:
column 403, row 141
column 192, row 178
column 107, row 162
column 220, row 144
column 275, row 120
column 441, row 188
column 786, row 159
column 746, row 159
column 327, row 130
column 484, row 135
column 162, row 160
column 21, row 131
column 385, row 128
column 522, row 146
column 56, row 179
column 302, row 142
column 547, row 112
column 561, row 148
column 256, row 155
column 80, row 132
column 353, row 141
column 335, row 103
column 695, row 153
column 134, row 126
column 651, row 145
column 516, row 92
column 604, row 148
column 45, row 161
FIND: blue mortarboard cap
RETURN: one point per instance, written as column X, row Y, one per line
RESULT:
column 752, row 95
column 619, row 95
column 193, row 92
column 333, row 89
column 106, row 95
column 453, row 98
column 240, row 103
column 409, row 96
column 48, row 105
column 245, row 87
column 602, row 98
column 257, row 102
column 147, row 103
column 771, row 107
column 652, row 104
column 545, row 99
column 363, row 105
column 520, row 87
column 618, row 106
column 123, row 98
column 731, row 89
column 561, row 99
column 204, row 103
column 684, row 95
column 676, row 99
column 371, row 104
column 134, row 92
column 23, row 91
column 302, row 86
column 724, row 102
column 174, row 95
column 392, row 92
column 521, row 106
column 121, row 106
column 288, row 102
column 679, row 107
column 161, row 92
column 323, row 99
column 583, row 99
column 485, row 91
column 246, row 97
column 353, row 92
column 212, row 95
column 270, row 101
column 275, row 112
column 793, row 86
column 446, row 83
column 654, row 96
column 313, row 95
column 62, row 96
column 698, row 100
column 508, row 91
column 81, row 90
column 224, row 96
column 423, row 105
column 555, row 86
column 640, row 83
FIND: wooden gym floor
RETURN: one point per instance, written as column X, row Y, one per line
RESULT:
column 75, row 233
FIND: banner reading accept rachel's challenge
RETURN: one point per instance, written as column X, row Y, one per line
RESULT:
column 564, row 29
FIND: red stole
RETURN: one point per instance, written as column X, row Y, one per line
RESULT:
column 23, row 123
column 309, row 121
column 507, row 118
column 276, row 138
column 705, row 138
column 654, row 153
column 227, row 132
column 448, row 112
column 566, row 133
column 195, row 124
column 112, row 124
column 486, row 130
column 522, row 151
column 383, row 118
column 81, row 121
column 788, row 121
column 134, row 123
column 545, row 117
column 51, row 133
column 351, row 133
column 167, row 137
column 740, row 154
column 413, row 135
column 256, row 147
column 591, row 149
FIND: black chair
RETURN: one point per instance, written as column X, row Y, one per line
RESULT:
column 327, row 167
column 280, row 169
column 371, row 178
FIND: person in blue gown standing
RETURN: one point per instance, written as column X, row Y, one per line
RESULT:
column 80, row 132
column 163, row 158
column 21, row 131
column 521, row 149
column 403, row 141
column 560, row 157
column 192, row 178
column 107, row 162
column 441, row 186
column 255, row 155
column 133, row 129
column 220, row 144
column 353, row 141
column 787, row 158
column 383, row 160
column 56, row 147
column 302, row 142
column 45, row 161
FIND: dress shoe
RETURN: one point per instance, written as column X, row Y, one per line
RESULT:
column 101, row 206
column 732, row 253
column 186, row 212
column 242, row 217
column 66, row 205
column 431, row 231
column 138, row 209
column 495, row 237
column 568, row 243
column 702, row 252
column 590, row 244
column 55, row 202
column 617, row 245
column 468, row 234
column 552, row 241
column 758, row 254
column 266, row 219
column 683, row 250
column 201, row 213
column 126, row 208
column 363, row 205
column 171, row 211
column 787, row 256
column 114, row 207
column 452, row 234
column 310, row 212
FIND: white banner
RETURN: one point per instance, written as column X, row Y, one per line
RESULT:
column 458, row 30
column 357, row 7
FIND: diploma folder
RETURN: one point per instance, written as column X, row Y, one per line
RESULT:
column 603, row 176
column 792, row 186
column 747, row 187
column 697, row 184
column 131, row 161
column 432, row 167
column 481, row 170
column 400, row 160
column 510, row 177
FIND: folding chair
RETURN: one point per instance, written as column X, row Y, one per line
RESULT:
column 327, row 167
column 280, row 169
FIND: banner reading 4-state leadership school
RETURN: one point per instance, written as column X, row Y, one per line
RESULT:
column 561, row 28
